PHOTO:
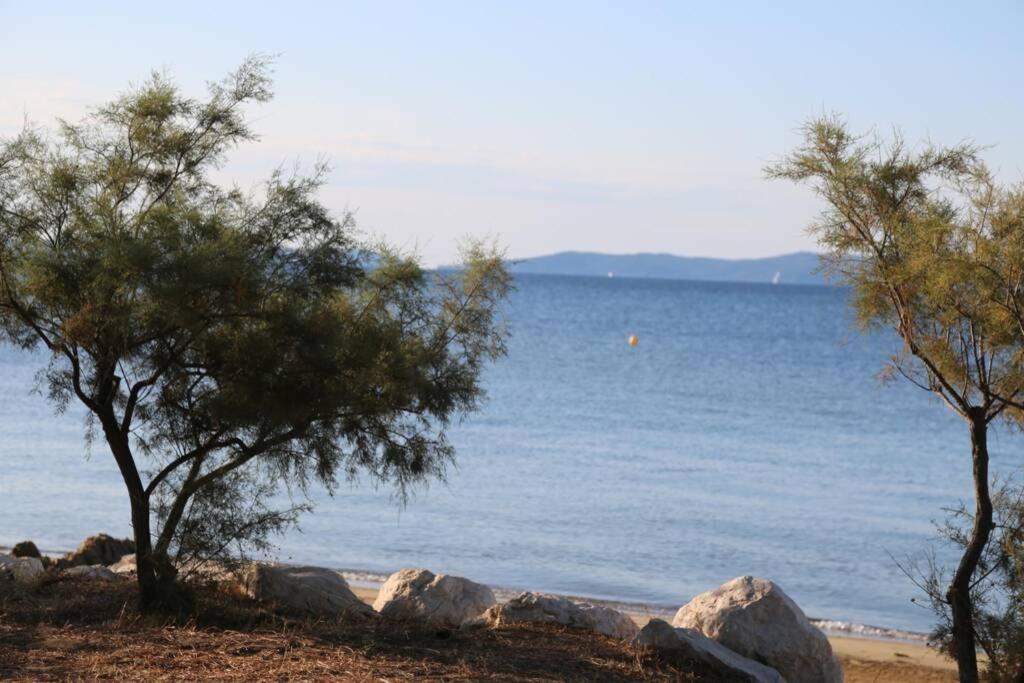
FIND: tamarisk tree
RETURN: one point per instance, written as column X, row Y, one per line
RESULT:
column 930, row 247
column 227, row 345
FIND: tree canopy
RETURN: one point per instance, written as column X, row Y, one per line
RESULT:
column 228, row 343
column 931, row 246
column 932, row 249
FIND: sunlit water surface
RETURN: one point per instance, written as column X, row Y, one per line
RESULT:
column 745, row 434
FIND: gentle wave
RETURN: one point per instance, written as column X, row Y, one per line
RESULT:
column 845, row 628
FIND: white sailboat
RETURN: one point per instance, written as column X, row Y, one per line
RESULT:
column 776, row 278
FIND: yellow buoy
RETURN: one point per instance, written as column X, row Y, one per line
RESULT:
column 633, row 340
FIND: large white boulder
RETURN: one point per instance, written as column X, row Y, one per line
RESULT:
column 553, row 609
column 91, row 571
column 26, row 569
column 756, row 619
column 438, row 599
column 304, row 590
column 126, row 565
column 692, row 645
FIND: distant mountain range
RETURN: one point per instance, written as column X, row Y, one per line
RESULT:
column 800, row 268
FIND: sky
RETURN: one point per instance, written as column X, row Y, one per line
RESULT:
column 614, row 127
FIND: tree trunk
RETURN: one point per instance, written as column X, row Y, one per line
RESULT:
column 144, row 569
column 959, row 593
column 159, row 590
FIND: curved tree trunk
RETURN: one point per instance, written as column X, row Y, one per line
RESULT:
column 959, row 593
column 159, row 590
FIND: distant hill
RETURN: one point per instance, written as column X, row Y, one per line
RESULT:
column 798, row 268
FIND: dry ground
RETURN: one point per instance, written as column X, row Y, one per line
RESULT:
column 71, row 629
column 75, row 629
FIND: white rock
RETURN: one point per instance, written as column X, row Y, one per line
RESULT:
column 26, row 569
column 308, row 590
column 692, row 645
column 126, row 565
column 756, row 619
column 440, row 599
column 6, row 561
column 553, row 609
column 91, row 571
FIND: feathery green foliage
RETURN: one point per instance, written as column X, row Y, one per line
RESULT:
column 228, row 344
column 932, row 248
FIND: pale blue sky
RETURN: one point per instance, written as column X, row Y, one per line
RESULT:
column 616, row 127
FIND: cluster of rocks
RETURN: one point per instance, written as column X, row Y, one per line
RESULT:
column 26, row 565
column 745, row 630
column 750, row 630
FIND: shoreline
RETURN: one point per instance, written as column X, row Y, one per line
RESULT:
column 865, row 650
column 831, row 627
column 861, row 651
column 370, row 579
column 855, row 644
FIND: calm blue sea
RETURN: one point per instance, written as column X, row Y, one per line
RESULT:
column 745, row 434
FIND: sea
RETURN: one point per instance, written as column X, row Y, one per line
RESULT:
column 747, row 432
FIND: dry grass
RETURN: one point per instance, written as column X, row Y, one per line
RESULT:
column 68, row 629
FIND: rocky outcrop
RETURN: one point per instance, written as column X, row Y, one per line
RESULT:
column 303, row 590
column 91, row 571
column 99, row 549
column 438, row 599
column 26, row 549
column 755, row 618
column 693, row 646
column 553, row 609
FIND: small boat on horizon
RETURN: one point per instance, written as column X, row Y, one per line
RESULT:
column 776, row 277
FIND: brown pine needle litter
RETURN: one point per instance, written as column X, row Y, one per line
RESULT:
column 80, row 629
